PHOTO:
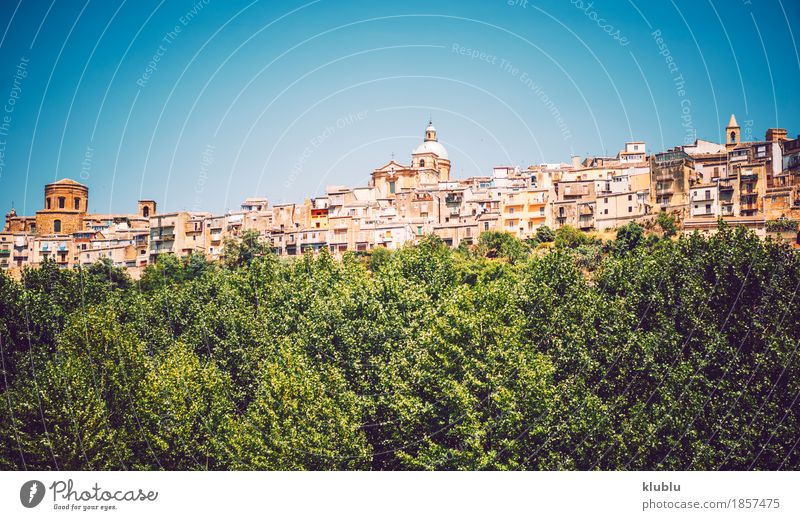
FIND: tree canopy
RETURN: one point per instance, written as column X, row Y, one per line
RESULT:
column 638, row 353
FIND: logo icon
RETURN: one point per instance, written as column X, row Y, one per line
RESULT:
column 31, row 493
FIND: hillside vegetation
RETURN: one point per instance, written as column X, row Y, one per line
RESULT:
column 566, row 352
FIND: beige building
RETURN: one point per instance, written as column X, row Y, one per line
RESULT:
column 614, row 210
column 524, row 212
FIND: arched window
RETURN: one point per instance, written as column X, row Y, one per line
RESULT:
column 733, row 136
column 57, row 226
column 145, row 212
column 77, row 203
column 48, row 203
column 62, row 202
column 422, row 163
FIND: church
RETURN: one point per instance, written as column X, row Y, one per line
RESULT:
column 429, row 166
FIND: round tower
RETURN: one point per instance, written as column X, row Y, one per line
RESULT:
column 66, row 202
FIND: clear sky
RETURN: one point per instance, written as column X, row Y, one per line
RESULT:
column 199, row 104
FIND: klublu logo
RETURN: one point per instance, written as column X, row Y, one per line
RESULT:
column 31, row 493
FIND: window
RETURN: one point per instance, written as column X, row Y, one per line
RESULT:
column 511, row 210
column 57, row 226
column 605, row 200
column 605, row 211
column 391, row 186
column 486, row 226
column 48, row 203
column 77, row 202
column 630, row 209
column 708, row 194
column 62, row 202
column 422, row 163
column 708, row 208
column 636, row 147
column 630, row 197
column 733, row 136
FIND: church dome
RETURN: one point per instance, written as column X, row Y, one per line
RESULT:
column 431, row 144
column 434, row 147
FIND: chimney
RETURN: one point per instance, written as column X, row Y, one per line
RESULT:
column 576, row 161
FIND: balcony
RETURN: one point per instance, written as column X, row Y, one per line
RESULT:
column 163, row 238
column 726, row 185
column 5, row 252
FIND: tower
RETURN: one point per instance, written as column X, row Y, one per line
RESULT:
column 65, row 204
column 732, row 133
column 147, row 208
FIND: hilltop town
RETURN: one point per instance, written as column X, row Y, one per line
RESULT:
column 753, row 183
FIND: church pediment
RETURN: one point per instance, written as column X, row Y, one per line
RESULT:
column 392, row 165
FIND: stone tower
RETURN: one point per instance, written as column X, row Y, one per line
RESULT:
column 66, row 203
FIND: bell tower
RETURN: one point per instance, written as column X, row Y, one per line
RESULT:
column 732, row 133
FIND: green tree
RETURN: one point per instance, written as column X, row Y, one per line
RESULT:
column 667, row 224
column 569, row 237
column 545, row 234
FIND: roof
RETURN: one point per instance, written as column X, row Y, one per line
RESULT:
column 68, row 182
column 732, row 122
column 434, row 147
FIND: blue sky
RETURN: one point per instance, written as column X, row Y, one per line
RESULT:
column 282, row 98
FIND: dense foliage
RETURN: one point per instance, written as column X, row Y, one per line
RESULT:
column 566, row 352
